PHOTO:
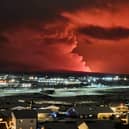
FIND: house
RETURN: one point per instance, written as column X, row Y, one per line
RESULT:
column 24, row 119
column 5, row 118
column 44, row 115
column 105, row 113
column 85, row 111
column 95, row 112
column 64, row 125
column 101, row 124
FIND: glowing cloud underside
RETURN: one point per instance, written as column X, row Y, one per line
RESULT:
column 64, row 35
column 44, row 47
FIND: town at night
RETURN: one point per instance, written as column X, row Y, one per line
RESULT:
column 64, row 64
column 70, row 99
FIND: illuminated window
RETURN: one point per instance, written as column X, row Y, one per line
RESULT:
column 42, row 127
column 20, row 121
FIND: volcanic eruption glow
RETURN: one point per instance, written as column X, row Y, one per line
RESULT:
column 81, row 35
column 46, row 47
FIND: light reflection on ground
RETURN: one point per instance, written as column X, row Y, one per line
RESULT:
column 65, row 92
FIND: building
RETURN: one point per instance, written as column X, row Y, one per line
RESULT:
column 127, row 119
column 5, row 119
column 105, row 113
column 101, row 124
column 84, row 111
column 24, row 119
column 94, row 112
column 44, row 115
column 64, row 125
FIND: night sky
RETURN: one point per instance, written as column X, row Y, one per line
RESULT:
column 75, row 35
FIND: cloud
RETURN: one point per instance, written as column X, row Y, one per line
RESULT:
column 64, row 35
column 43, row 48
column 105, row 33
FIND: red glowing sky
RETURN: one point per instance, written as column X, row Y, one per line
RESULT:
column 81, row 35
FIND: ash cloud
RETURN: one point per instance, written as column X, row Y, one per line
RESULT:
column 99, row 30
column 30, row 49
column 105, row 33
column 51, row 35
